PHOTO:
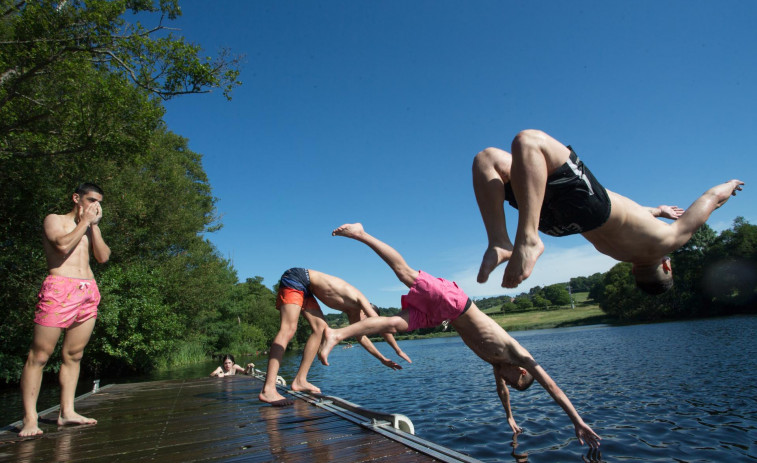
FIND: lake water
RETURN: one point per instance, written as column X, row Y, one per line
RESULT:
column 682, row 391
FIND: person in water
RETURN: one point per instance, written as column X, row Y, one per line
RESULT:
column 68, row 301
column 556, row 193
column 230, row 368
column 430, row 302
column 298, row 290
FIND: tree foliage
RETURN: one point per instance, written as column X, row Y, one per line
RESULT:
column 81, row 91
column 713, row 275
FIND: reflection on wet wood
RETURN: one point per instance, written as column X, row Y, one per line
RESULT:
column 209, row 419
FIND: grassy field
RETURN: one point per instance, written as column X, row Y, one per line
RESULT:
column 585, row 313
column 581, row 315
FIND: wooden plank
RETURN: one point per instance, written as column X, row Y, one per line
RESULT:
column 209, row 419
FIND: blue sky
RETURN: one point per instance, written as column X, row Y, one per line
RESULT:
column 372, row 111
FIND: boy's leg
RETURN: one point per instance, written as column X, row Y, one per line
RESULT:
column 43, row 343
column 290, row 313
column 317, row 324
column 390, row 255
column 367, row 327
column 491, row 170
column 535, row 156
column 76, row 339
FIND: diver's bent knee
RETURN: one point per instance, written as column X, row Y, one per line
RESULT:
column 527, row 138
column 486, row 157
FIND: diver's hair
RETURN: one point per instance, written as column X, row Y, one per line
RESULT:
column 228, row 356
column 525, row 382
column 86, row 187
column 655, row 287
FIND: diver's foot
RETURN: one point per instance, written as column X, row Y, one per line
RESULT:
column 304, row 386
column 349, row 230
column 271, row 398
column 30, row 428
column 73, row 418
column 522, row 262
column 328, row 343
column 493, row 256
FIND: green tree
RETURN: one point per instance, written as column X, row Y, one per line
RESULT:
column 558, row 294
column 523, row 303
column 48, row 46
column 80, row 99
column 540, row 301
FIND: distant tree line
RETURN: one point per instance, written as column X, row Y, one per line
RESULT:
column 714, row 274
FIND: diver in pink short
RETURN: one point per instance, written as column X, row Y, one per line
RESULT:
column 68, row 301
column 434, row 300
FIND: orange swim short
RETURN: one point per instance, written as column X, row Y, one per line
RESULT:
column 295, row 296
column 64, row 301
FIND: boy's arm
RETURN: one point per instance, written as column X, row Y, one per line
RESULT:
column 100, row 250
column 56, row 234
column 370, row 311
column 504, row 396
column 583, row 431
column 389, row 338
column 368, row 345
column 217, row 371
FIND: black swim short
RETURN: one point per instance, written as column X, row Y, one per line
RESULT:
column 296, row 278
column 574, row 201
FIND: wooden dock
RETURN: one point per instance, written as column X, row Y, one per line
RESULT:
column 218, row 419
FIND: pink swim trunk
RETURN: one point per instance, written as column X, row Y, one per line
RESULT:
column 64, row 301
column 433, row 300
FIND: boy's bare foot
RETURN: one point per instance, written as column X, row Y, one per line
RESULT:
column 349, row 230
column 273, row 398
column 304, row 386
column 31, row 428
column 493, row 256
column 328, row 343
column 522, row 263
column 74, row 418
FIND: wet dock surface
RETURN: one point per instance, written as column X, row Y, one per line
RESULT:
column 209, row 419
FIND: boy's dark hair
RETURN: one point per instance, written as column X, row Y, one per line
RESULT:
column 228, row 356
column 86, row 187
column 525, row 382
column 655, row 287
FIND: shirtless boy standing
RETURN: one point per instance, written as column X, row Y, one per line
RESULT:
column 434, row 300
column 556, row 193
column 68, row 300
column 298, row 289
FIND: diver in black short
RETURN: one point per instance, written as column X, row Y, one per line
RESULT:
column 558, row 195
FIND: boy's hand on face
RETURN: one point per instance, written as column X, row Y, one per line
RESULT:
column 89, row 213
column 99, row 213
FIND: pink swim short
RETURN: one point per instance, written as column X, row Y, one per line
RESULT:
column 64, row 301
column 433, row 300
